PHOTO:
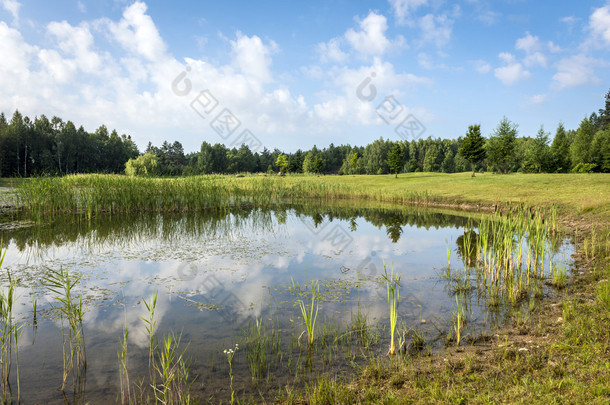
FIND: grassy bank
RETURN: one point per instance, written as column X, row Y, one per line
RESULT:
column 574, row 194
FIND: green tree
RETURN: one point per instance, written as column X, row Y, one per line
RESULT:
column 600, row 147
column 351, row 164
column 448, row 165
column 282, row 163
column 395, row 159
column 500, row 147
column 580, row 150
column 431, row 161
column 145, row 165
column 472, row 147
column 540, row 153
column 560, row 150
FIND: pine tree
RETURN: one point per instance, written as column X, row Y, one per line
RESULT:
column 395, row 158
column 473, row 146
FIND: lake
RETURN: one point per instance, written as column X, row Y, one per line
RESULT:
column 236, row 277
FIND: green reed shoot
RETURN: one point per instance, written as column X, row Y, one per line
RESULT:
column 307, row 311
column 459, row 319
column 10, row 332
column 150, row 324
column 123, row 374
column 173, row 371
column 393, row 289
column 448, row 255
column 71, row 310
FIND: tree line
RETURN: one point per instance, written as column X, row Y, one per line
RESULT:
column 56, row 147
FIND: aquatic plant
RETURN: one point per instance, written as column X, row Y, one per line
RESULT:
column 307, row 311
column 229, row 354
column 393, row 289
column 71, row 309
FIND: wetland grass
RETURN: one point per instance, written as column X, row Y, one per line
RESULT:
column 393, row 290
column 307, row 311
column 72, row 311
column 10, row 333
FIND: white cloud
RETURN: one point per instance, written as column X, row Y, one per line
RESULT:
column 129, row 86
column 331, row 51
column 537, row 99
column 77, row 42
column 575, row 71
column 343, row 104
column 482, row 67
column 403, row 8
column 532, row 46
column 553, row 48
column 599, row 23
column 513, row 71
column 137, row 32
column 436, row 29
column 528, row 43
column 370, row 40
column 252, row 57
column 535, row 59
column 12, row 6
column 488, row 17
column 81, row 6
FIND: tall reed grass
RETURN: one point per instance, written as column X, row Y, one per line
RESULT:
column 72, row 311
column 94, row 194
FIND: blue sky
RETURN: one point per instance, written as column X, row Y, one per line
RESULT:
column 289, row 73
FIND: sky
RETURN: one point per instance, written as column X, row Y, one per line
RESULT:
column 293, row 74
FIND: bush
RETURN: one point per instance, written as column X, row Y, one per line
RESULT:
column 584, row 168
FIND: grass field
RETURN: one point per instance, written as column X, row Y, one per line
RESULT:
column 574, row 193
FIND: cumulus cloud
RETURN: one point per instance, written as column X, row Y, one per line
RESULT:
column 574, row 71
column 436, row 29
column 12, row 6
column 532, row 46
column 342, row 104
column 129, row 86
column 404, row 8
column 599, row 23
column 482, row 67
column 252, row 57
column 512, row 72
column 137, row 32
column 367, row 41
column 331, row 51
column 370, row 39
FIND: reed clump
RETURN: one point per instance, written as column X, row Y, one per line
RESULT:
column 10, row 332
column 72, row 312
column 94, row 194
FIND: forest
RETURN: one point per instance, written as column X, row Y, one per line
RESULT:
column 54, row 147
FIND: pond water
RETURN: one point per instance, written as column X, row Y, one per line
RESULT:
column 216, row 274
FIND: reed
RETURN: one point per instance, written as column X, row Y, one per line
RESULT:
column 173, row 369
column 459, row 319
column 71, row 309
column 10, row 332
column 307, row 311
column 393, row 290
column 95, row 194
